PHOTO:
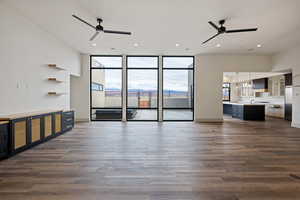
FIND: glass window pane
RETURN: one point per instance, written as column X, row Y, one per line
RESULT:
column 142, row 62
column 108, row 93
column 107, row 114
column 141, row 114
column 178, row 88
column 106, row 62
column 178, row 114
column 142, row 88
column 178, row 62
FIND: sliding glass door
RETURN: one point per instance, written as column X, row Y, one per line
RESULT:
column 142, row 88
column 133, row 86
column 178, row 88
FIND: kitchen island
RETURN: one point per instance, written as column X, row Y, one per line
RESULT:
column 245, row 111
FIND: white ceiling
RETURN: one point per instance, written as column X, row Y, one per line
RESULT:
column 157, row 25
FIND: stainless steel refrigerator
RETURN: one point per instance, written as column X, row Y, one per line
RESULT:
column 288, row 103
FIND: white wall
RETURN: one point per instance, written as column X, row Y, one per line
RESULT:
column 24, row 52
column 98, row 97
column 290, row 60
column 209, row 79
column 80, row 92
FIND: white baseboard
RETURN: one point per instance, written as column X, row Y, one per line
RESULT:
column 209, row 120
column 295, row 125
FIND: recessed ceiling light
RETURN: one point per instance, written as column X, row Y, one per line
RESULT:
column 218, row 45
column 259, row 45
column 135, row 44
column 177, row 45
column 94, row 44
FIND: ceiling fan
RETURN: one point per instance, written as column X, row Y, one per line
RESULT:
column 99, row 28
column 222, row 29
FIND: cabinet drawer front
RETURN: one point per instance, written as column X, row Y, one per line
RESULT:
column 68, row 114
column 68, row 120
column 57, row 123
column 20, row 134
column 68, row 126
column 48, row 125
column 35, row 130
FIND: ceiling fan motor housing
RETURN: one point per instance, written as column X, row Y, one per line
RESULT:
column 222, row 29
column 99, row 27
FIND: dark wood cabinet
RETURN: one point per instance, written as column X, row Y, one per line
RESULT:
column 261, row 83
column 22, row 131
column 288, row 112
column 227, row 109
column 288, row 79
column 238, row 111
column 67, row 120
column 245, row 111
column 4, row 128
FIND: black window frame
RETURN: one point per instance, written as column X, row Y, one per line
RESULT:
column 193, row 89
column 104, row 68
column 229, row 91
column 141, row 68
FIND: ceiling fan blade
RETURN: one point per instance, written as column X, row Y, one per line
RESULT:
column 241, row 30
column 213, row 25
column 95, row 35
column 84, row 21
column 117, row 32
column 211, row 38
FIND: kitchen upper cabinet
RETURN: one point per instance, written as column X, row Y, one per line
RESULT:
column 276, row 86
column 260, row 84
column 288, row 79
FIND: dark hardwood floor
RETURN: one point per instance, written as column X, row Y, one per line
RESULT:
column 160, row 161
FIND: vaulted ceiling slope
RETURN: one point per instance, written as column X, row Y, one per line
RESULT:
column 158, row 25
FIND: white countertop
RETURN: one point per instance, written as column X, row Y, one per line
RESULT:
column 245, row 104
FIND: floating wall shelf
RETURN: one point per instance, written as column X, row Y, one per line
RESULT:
column 54, row 66
column 56, row 93
column 54, row 80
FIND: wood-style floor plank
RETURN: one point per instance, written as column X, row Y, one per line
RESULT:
column 236, row 160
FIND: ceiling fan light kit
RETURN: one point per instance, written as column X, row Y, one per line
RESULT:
column 99, row 28
column 222, row 29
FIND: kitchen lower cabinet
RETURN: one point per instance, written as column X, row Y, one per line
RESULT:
column 48, row 125
column 36, row 127
column 67, row 120
column 19, row 133
column 227, row 109
column 22, row 131
column 245, row 111
column 57, row 122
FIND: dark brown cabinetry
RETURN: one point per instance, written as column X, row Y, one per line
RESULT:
column 288, row 79
column 4, row 127
column 245, row 111
column 23, row 131
column 260, row 84
column 67, row 120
